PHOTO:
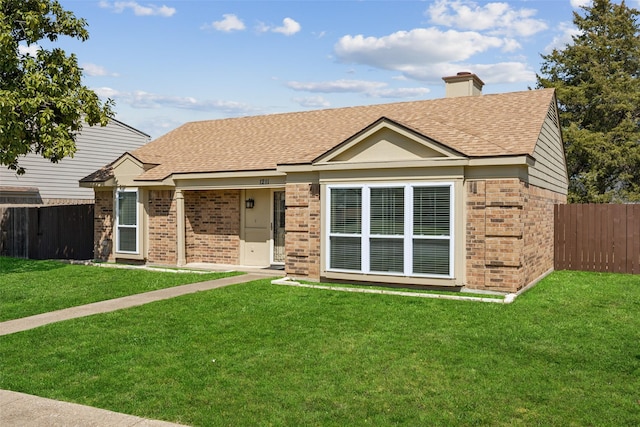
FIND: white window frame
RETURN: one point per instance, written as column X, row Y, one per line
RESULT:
column 408, row 236
column 119, row 226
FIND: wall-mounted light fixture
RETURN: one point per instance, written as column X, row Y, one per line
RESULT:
column 249, row 203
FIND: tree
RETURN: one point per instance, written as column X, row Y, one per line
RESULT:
column 42, row 100
column 597, row 82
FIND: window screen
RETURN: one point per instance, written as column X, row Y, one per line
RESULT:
column 127, row 239
column 431, row 256
column 127, row 221
column 346, row 226
column 346, row 210
column 386, row 255
column 387, row 211
column 127, row 209
column 346, row 253
column 431, row 211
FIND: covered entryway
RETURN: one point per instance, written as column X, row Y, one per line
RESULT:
column 263, row 222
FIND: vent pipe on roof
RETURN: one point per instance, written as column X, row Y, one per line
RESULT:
column 463, row 84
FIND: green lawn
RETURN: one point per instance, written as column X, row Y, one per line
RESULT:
column 566, row 353
column 29, row 287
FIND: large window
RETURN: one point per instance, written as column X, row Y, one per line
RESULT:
column 127, row 221
column 403, row 229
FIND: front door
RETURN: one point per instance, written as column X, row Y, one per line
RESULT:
column 278, row 227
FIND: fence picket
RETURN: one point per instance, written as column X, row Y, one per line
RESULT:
column 47, row 232
column 594, row 237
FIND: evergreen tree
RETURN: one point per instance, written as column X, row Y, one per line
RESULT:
column 42, row 100
column 597, row 81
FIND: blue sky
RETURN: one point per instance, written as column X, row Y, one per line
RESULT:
column 170, row 62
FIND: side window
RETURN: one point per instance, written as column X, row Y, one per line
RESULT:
column 127, row 221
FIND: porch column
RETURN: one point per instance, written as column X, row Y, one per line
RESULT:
column 180, row 237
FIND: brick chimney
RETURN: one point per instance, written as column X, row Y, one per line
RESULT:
column 463, row 84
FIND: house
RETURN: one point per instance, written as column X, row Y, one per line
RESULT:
column 46, row 183
column 449, row 192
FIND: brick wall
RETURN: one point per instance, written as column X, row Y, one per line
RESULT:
column 538, row 223
column 509, row 235
column 103, row 226
column 212, row 222
column 162, row 227
column 302, row 239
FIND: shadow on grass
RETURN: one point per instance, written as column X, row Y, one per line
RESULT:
column 19, row 265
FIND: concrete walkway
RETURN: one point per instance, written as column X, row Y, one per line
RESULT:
column 23, row 410
column 25, row 323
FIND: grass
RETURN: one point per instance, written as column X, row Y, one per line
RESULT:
column 565, row 353
column 31, row 287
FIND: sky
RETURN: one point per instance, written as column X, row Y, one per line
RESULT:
column 165, row 63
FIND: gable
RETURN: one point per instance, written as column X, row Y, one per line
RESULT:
column 126, row 169
column 550, row 168
column 386, row 141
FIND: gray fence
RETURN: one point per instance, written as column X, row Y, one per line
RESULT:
column 47, row 232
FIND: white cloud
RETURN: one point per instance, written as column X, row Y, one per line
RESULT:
column 289, row 27
column 504, row 72
column 368, row 88
column 565, row 37
column 312, row 102
column 230, row 23
column 579, row 3
column 95, row 70
column 31, row 50
column 344, row 86
column 155, row 126
column 403, row 92
column 496, row 18
column 427, row 54
column 138, row 9
column 511, row 45
column 406, row 49
column 142, row 99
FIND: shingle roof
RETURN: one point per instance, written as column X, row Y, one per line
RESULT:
column 476, row 126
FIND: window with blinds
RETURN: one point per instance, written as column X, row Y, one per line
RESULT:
column 346, row 228
column 127, row 221
column 401, row 229
column 431, row 230
column 386, row 229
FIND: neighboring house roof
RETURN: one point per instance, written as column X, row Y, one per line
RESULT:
column 475, row 126
column 95, row 145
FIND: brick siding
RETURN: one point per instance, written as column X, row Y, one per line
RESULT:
column 103, row 226
column 302, row 238
column 162, row 227
column 509, row 233
column 538, row 223
column 212, row 222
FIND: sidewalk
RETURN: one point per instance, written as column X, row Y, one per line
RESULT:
column 25, row 323
column 24, row 410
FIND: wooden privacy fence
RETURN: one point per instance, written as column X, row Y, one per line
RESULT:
column 47, row 232
column 598, row 237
